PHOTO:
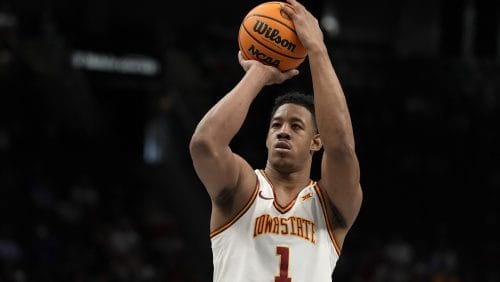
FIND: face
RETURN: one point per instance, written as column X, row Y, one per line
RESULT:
column 291, row 138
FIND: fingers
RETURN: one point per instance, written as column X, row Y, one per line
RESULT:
column 288, row 10
column 293, row 9
column 291, row 73
column 243, row 62
column 279, row 76
column 284, row 76
column 295, row 4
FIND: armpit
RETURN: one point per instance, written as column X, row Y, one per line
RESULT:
column 225, row 199
column 338, row 220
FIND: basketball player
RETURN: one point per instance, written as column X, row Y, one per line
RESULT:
column 275, row 223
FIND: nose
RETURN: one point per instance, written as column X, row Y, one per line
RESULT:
column 284, row 132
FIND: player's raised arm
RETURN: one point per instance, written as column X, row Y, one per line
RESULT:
column 217, row 166
column 340, row 170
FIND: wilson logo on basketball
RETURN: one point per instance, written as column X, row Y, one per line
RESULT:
column 273, row 34
column 263, row 57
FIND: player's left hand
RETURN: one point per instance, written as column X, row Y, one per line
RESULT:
column 306, row 25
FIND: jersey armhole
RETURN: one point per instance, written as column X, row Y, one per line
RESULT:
column 327, row 217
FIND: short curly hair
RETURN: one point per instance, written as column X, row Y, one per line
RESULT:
column 297, row 98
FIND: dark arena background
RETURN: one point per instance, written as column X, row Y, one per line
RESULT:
column 98, row 100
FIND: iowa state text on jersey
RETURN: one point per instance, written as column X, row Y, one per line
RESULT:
column 293, row 226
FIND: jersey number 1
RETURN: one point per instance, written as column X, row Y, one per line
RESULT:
column 284, row 253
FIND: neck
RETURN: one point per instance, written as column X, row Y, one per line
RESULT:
column 288, row 180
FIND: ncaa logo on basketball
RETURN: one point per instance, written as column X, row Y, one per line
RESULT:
column 263, row 57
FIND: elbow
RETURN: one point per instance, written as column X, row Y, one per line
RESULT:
column 199, row 145
column 204, row 145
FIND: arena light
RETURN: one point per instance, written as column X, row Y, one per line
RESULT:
column 329, row 21
column 8, row 20
column 128, row 64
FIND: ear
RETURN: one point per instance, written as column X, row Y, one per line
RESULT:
column 316, row 143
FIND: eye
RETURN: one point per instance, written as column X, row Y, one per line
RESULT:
column 296, row 126
column 275, row 125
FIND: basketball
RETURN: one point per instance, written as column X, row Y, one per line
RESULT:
column 268, row 35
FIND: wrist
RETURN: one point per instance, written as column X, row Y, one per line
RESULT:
column 317, row 50
column 258, row 74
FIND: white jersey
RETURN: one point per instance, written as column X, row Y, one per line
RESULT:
column 266, row 242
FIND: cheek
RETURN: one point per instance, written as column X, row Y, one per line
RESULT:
column 267, row 141
column 310, row 143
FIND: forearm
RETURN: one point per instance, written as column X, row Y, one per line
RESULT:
column 224, row 120
column 332, row 113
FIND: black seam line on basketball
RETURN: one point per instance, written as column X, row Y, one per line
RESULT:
column 243, row 50
column 284, row 55
column 273, row 19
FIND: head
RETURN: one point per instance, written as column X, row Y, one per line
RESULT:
column 293, row 136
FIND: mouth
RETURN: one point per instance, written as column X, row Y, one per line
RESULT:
column 282, row 146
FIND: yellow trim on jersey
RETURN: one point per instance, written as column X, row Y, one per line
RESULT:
column 281, row 209
column 327, row 218
column 238, row 215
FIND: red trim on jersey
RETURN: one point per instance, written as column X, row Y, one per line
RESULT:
column 238, row 215
column 327, row 218
column 278, row 207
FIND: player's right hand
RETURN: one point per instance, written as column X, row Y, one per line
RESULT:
column 272, row 74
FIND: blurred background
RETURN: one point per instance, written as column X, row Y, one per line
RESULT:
column 98, row 100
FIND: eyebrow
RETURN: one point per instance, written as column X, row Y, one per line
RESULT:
column 292, row 119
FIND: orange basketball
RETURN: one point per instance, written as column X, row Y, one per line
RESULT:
column 268, row 35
